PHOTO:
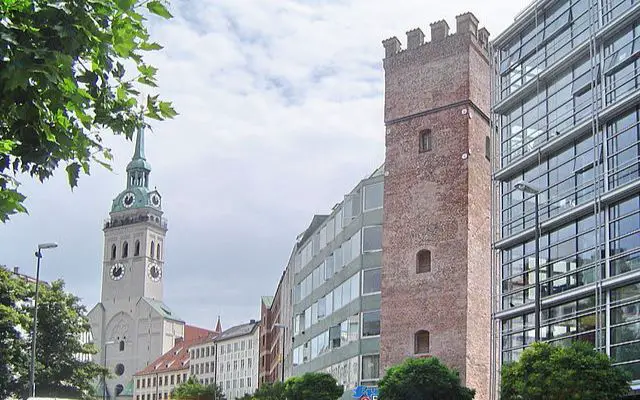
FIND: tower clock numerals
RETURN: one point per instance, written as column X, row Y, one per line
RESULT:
column 155, row 200
column 155, row 272
column 117, row 271
column 128, row 199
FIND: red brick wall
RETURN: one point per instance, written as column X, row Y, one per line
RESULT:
column 439, row 201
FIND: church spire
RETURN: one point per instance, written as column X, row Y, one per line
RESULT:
column 138, row 169
column 218, row 326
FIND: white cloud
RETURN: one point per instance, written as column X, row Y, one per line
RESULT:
column 280, row 114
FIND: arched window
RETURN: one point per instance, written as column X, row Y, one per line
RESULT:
column 158, row 251
column 136, row 251
column 423, row 261
column 425, row 140
column 113, row 251
column 122, row 345
column 153, row 248
column 125, row 250
column 421, row 342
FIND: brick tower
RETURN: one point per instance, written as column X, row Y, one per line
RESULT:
column 436, row 247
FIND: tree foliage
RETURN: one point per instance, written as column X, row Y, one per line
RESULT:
column 314, row 385
column 270, row 391
column 194, row 390
column 70, row 69
column 577, row 371
column 60, row 371
column 423, row 379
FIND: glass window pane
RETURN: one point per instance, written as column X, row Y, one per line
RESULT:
column 372, row 238
column 373, row 195
column 371, row 323
column 371, row 280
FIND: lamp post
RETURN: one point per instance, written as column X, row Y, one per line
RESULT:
column 104, row 376
column 32, row 365
column 526, row 187
column 284, row 331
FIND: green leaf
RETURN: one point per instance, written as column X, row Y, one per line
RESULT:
column 6, row 146
column 125, row 5
column 149, row 46
column 158, row 8
column 166, row 109
column 147, row 70
column 73, row 173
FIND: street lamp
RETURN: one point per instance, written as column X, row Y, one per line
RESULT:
column 526, row 187
column 284, row 331
column 32, row 366
column 104, row 375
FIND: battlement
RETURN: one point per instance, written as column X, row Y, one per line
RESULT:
column 466, row 24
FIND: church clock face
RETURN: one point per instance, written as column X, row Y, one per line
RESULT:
column 128, row 199
column 155, row 200
column 155, row 272
column 117, row 272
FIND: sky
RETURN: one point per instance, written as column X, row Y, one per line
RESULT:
column 280, row 106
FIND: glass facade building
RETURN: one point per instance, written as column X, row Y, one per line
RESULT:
column 565, row 117
column 336, row 294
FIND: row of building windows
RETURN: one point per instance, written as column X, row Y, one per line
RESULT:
column 235, row 347
column 574, row 174
column 207, row 351
column 578, row 320
column 237, row 364
column 567, row 99
column 369, row 239
column 370, row 199
column 173, row 379
column 574, row 255
column 154, row 251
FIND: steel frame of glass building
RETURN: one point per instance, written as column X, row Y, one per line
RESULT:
column 566, row 119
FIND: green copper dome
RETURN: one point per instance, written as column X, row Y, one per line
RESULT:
column 137, row 193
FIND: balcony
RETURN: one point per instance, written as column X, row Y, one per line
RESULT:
column 135, row 219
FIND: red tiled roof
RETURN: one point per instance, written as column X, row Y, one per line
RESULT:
column 193, row 332
column 178, row 357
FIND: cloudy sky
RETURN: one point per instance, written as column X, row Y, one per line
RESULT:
column 280, row 107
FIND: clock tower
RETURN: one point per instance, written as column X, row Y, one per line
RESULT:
column 131, row 324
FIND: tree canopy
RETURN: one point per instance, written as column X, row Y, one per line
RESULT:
column 70, row 71
column 423, row 379
column 270, row 391
column 60, row 370
column 194, row 390
column 313, row 385
column 545, row 371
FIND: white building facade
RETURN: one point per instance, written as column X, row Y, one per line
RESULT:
column 131, row 326
column 237, row 360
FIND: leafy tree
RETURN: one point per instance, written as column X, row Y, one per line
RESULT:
column 61, row 319
column 314, row 385
column 13, row 351
column 423, row 379
column 577, row 371
column 194, row 390
column 64, row 80
column 270, row 391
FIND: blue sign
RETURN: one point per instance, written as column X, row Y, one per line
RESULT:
column 369, row 391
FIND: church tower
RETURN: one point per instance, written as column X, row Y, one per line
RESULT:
column 131, row 325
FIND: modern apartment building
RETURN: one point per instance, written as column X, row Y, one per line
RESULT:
column 436, row 248
column 565, row 113
column 336, row 292
column 237, row 360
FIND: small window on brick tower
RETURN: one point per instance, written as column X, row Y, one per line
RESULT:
column 423, row 261
column 136, row 251
column 487, row 147
column 125, row 250
column 425, row 140
column 421, row 342
column 113, row 251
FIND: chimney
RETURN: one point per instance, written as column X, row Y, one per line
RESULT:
column 391, row 47
column 252, row 321
column 178, row 340
column 439, row 30
column 16, row 270
column 415, row 38
column 467, row 23
column 483, row 37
